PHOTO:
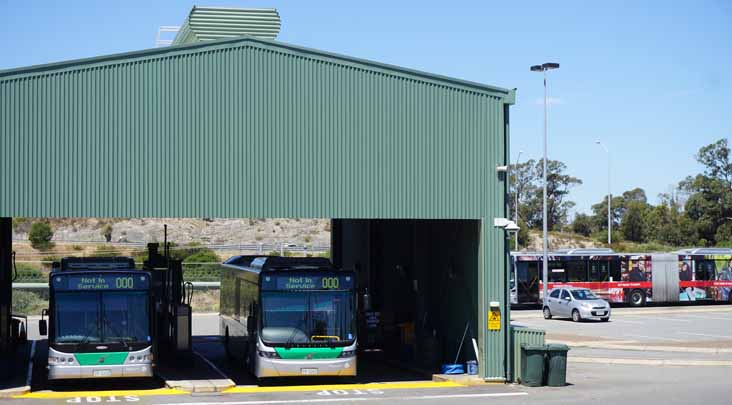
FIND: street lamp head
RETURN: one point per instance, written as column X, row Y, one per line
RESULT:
column 598, row 142
column 544, row 67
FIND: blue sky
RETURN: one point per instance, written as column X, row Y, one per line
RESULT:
column 650, row 79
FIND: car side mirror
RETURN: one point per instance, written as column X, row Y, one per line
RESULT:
column 568, row 299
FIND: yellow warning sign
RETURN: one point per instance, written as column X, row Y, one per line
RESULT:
column 494, row 320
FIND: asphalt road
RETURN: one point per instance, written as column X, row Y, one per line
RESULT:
column 701, row 326
column 683, row 383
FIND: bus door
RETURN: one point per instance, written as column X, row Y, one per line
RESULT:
column 665, row 277
column 527, row 281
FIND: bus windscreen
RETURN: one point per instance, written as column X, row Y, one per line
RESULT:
column 101, row 317
column 307, row 317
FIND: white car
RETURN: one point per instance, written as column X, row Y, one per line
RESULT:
column 576, row 303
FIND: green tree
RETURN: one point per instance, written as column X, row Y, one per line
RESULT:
column 710, row 193
column 632, row 226
column 40, row 235
column 582, row 225
column 527, row 180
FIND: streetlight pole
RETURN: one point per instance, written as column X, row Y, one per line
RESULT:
column 609, row 195
column 545, row 273
column 515, row 218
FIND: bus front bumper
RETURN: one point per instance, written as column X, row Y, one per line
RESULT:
column 305, row 368
column 58, row 372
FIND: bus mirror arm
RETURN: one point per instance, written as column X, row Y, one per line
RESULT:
column 42, row 325
column 251, row 325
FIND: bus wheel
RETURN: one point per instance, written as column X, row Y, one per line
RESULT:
column 547, row 313
column 576, row 316
column 637, row 298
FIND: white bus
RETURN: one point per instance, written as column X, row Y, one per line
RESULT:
column 285, row 317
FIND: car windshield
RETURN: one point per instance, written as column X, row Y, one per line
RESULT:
column 583, row 295
column 307, row 317
column 109, row 317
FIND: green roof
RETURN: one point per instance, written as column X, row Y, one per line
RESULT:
column 249, row 41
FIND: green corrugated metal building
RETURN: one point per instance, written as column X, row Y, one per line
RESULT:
column 404, row 161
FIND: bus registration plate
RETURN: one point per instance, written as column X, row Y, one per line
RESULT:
column 102, row 373
column 309, row 371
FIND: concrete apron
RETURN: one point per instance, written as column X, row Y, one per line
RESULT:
column 203, row 377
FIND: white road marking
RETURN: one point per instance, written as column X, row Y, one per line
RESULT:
column 704, row 334
column 624, row 321
column 655, row 337
column 29, row 378
column 716, row 318
column 668, row 319
column 353, row 399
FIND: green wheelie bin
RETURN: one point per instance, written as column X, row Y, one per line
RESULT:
column 532, row 365
column 556, row 365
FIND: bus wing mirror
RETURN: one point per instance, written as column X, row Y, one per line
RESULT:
column 42, row 325
column 251, row 324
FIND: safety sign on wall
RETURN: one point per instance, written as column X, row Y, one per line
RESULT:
column 494, row 320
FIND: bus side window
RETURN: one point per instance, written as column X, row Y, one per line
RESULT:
column 576, row 270
column 615, row 273
column 704, row 270
column 557, row 272
column 599, row 270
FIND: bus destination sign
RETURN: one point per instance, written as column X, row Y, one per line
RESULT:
column 307, row 282
column 97, row 282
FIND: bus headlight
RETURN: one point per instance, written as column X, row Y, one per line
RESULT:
column 347, row 353
column 269, row 355
column 54, row 360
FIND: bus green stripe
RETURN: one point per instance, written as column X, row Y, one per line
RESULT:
column 101, row 359
column 314, row 353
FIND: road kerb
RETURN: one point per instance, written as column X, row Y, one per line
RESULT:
column 652, row 362
column 374, row 386
column 647, row 348
column 14, row 392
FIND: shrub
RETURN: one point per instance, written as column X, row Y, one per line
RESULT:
column 40, row 236
column 28, row 302
column 107, row 232
column 30, row 274
column 106, row 251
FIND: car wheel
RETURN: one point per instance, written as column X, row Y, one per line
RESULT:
column 637, row 298
column 605, row 319
column 576, row 316
column 547, row 313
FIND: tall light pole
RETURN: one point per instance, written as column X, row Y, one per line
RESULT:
column 609, row 195
column 545, row 272
column 515, row 218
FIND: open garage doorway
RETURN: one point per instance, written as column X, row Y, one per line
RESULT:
column 420, row 281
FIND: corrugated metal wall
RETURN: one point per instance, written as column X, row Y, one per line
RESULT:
column 245, row 130
column 254, row 128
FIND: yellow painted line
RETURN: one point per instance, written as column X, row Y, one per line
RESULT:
column 119, row 393
column 330, row 387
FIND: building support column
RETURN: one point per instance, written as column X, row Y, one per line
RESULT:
column 6, row 291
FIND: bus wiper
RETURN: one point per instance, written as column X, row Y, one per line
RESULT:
column 120, row 339
column 290, row 340
column 86, row 337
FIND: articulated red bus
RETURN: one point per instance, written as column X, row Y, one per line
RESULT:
column 701, row 275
